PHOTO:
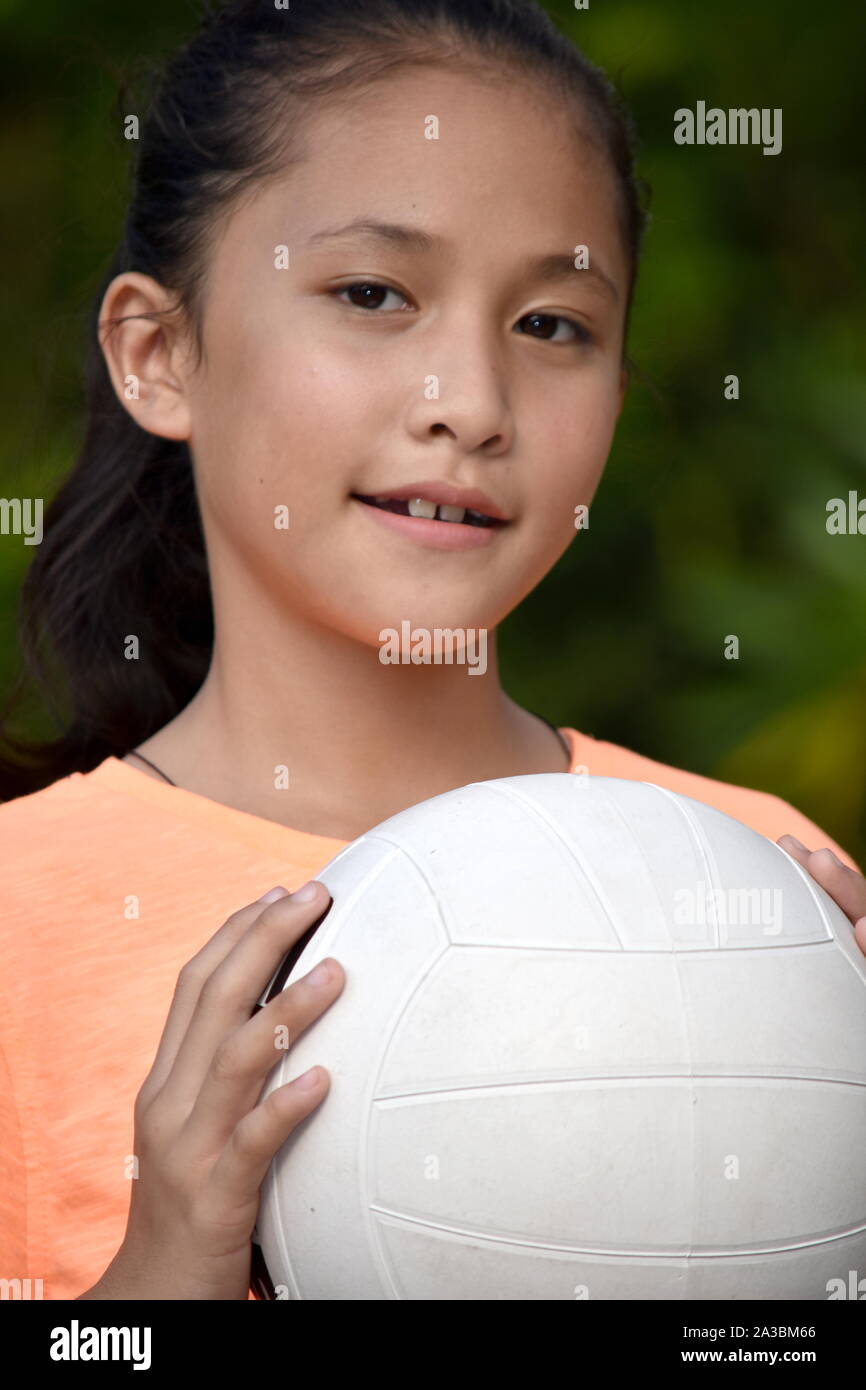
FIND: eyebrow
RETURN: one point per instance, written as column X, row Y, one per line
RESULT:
column 550, row 268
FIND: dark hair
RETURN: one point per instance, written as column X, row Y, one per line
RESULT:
column 123, row 545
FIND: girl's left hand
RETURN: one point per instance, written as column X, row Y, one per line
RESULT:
column 846, row 887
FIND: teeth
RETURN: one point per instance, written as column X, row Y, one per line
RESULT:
column 423, row 507
column 419, row 506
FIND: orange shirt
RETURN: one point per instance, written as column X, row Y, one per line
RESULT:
column 111, row 882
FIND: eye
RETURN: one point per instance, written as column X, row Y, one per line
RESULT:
column 367, row 294
column 370, row 291
column 579, row 335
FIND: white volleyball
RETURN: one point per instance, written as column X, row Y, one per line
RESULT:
column 597, row 1040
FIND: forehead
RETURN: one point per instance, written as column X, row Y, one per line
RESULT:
column 489, row 163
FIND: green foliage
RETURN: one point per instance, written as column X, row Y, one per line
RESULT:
column 711, row 517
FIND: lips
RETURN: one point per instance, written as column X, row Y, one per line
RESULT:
column 400, row 506
column 420, row 528
column 477, row 508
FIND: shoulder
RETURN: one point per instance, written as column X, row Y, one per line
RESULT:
column 65, row 831
column 770, row 815
column 44, row 835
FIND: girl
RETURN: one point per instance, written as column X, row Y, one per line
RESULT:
column 349, row 370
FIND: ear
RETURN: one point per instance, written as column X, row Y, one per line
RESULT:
column 146, row 354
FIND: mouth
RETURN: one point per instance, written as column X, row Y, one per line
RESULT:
column 430, row 511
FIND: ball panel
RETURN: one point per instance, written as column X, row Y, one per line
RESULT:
column 675, row 873
column 701, row 1167
column 800, row 1013
column 770, row 1157
column 425, row 1261
column 607, row 1165
column 486, row 1016
column 633, row 847
column 761, row 897
column 813, row 1272
column 462, row 852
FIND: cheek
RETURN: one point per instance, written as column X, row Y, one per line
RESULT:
column 274, row 413
column 306, row 404
column 573, row 453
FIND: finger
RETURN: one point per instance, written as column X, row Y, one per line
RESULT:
column 241, row 1063
column 230, row 993
column 240, row 1170
column 845, row 887
column 188, row 988
column 860, row 934
column 794, row 847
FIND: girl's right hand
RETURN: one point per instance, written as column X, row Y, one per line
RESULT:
column 203, row 1139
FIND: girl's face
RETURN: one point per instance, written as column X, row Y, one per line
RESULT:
column 311, row 391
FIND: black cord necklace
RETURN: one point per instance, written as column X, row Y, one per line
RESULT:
column 174, row 784
column 136, row 754
column 556, row 731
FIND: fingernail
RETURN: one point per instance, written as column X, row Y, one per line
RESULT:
column 798, row 843
column 274, row 893
column 308, row 1079
column 307, row 892
column 321, row 975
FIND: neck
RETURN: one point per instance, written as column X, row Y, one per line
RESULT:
column 315, row 732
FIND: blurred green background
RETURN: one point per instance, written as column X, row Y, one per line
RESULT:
column 711, row 518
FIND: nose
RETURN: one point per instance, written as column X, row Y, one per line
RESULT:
column 464, row 391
